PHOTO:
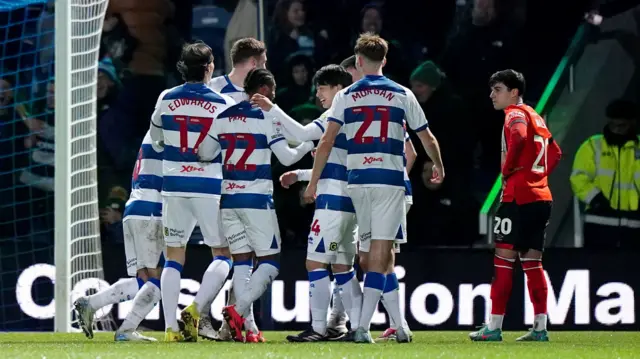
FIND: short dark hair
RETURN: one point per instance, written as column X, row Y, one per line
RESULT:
column 194, row 60
column 244, row 49
column 349, row 62
column 622, row 110
column 257, row 78
column 512, row 79
column 372, row 47
column 332, row 75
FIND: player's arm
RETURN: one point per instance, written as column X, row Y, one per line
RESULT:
column 295, row 130
column 155, row 130
column 291, row 177
column 324, row 149
column 554, row 154
column 418, row 122
column 209, row 148
column 287, row 155
column 516, row 133
column 409, row 152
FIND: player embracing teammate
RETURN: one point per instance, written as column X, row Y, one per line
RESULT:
column 529, row 155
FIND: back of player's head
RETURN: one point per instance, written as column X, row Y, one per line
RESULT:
column 349, row 62
column 332, row 75
column 256, row 79
column 372, row 47
column 194, row 61
column 511, row 79
column 246, row 49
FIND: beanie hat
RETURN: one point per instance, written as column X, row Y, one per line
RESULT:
column 428, row 73
column 106, row 65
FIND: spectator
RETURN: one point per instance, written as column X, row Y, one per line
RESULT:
column 12, row 157
column 606, row 177
column 371, row 20
column 298, row 85
column 116, row 41
column 108, row 86
column 448, row 117
column 111, row 214
column 292, row 34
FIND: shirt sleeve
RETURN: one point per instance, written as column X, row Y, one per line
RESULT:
column 336, row 112
column 274, row 131
column 295, row 131
column 288, row 156
column 414, row 115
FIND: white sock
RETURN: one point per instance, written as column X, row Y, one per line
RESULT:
column 231, row 300
column 120, row 291
column 147, row 298
column 337, row 307
column 170, row 289
column 260, row 279
column 495, row 322
column 319, row 298
column 391, row 301
column 240, row 281
column 540, row 322
column 351, row 295
column 373, row 286
column 212, row 281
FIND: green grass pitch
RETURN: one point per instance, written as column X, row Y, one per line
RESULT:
column 430, row 344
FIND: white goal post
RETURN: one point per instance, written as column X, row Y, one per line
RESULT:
column 78, row 256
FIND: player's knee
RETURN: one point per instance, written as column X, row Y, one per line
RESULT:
column 142, row 274
column 313, row 265
column 531, row 254
column 224, row 252
column 242, row 257
column 506, row 253
column 175, row 254
column 363, row 261
column 340, row 268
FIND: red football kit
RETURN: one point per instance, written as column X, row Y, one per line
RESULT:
column 531, row 155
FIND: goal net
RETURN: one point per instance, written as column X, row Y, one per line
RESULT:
column 49, row 222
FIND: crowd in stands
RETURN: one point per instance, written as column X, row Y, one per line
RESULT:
column 444, row 51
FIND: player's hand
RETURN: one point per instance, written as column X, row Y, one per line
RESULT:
column 438, row 174
column 288, row 179
column 261, row 101
column 110, row 216
column 310, row 193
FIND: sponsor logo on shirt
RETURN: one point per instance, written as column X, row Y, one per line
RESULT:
column 231, row 186
column 189, row 169
column 370, row 160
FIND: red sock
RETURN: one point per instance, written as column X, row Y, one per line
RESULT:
column 501, row 285
column 536, row 283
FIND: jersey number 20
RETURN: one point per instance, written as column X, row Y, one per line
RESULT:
column 369, row 113
column 540, row 164
column 233, row 140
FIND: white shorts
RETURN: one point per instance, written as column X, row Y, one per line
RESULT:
column 401, row 235
column 143, row 243
column 251, row 230
column 379, row 211
column 332, row 239
column 181, row 214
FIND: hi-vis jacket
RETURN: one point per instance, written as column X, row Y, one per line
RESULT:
column 610, row 170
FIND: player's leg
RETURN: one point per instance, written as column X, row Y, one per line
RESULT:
column 216, row 274
column 505, row 254
column 122, row 290
column 236, row 235
column 321, row 249
column 387, row 204
column 149, row 245
column 346, row 280
column 178, row 221
column 264, row 238
column 399, row 329
column 535, row 218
